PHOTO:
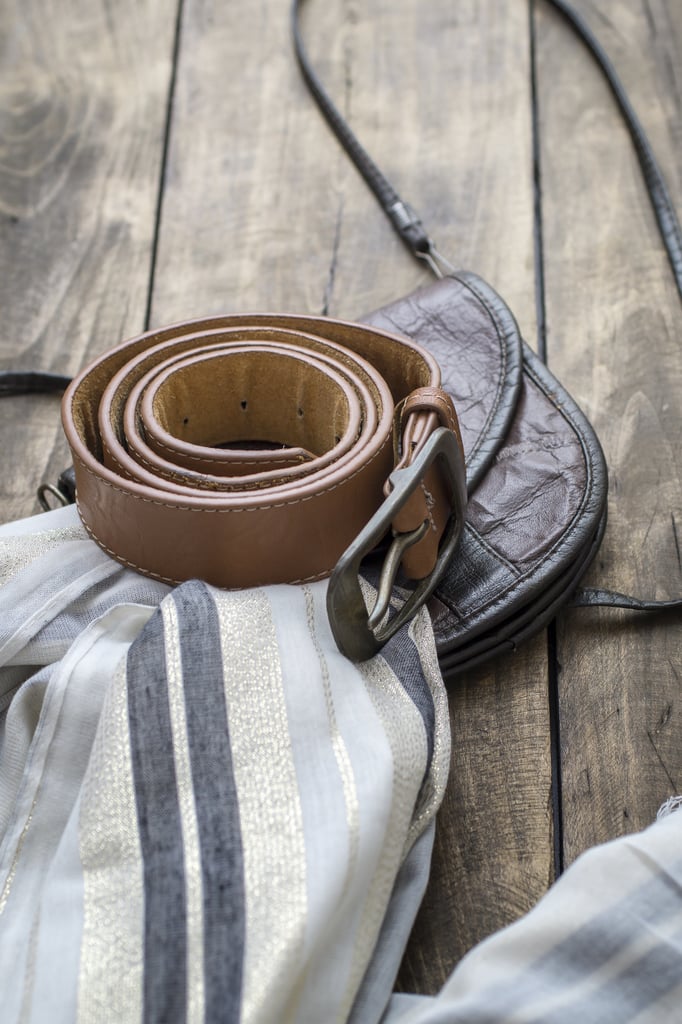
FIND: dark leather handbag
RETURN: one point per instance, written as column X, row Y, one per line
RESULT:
column 536, row 474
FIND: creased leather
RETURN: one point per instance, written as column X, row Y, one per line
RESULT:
column 536, row 471
column 476, row 341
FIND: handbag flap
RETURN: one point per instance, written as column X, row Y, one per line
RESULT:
column 536, row 472
column 476, row 341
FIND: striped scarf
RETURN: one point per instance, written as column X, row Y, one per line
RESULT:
column 208, row 814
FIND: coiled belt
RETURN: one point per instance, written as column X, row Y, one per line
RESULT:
column 271, row 449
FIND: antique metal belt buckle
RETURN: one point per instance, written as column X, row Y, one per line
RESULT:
column 359, row 633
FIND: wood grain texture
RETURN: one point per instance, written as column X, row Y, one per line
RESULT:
column 492, row 858
column 614, row 330
column 83, row 91
column 261, row 207
column 261, row 211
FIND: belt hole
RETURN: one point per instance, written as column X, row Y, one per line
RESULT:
column 186, row 420
column 300, row 412
column 244, row 404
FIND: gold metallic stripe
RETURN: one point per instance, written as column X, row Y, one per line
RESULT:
column 110, row 979
column 269, row 806
column 30, row 971
column 188, row 816
column 17, row 552
column 404, row 730
column 433, row 790
column 7, row 887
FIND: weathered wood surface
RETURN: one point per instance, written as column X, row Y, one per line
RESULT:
column 82, row 117
column 615, row 325
column 255, row 208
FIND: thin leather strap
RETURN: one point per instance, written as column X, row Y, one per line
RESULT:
column 669, row 227
column 410, row 228
column 31, row 382
column 408, row 223
column 668, row 223
column 588, row 597
column 401, row 215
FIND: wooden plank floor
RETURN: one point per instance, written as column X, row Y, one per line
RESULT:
column 161, row 161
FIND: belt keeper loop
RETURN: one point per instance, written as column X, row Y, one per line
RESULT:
column 431, row 399
column 417, row 416
column 411, row 434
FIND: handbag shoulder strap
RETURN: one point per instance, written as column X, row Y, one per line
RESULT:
column 409, row 226
column 408, row 223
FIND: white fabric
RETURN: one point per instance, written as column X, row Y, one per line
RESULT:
column 337, row 772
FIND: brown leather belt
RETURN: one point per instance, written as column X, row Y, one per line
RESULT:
column 258, row 449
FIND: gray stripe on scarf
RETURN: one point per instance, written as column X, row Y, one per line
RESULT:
column 215, row 799
column 623, row 997
column 158, row 814
column 580, row 956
